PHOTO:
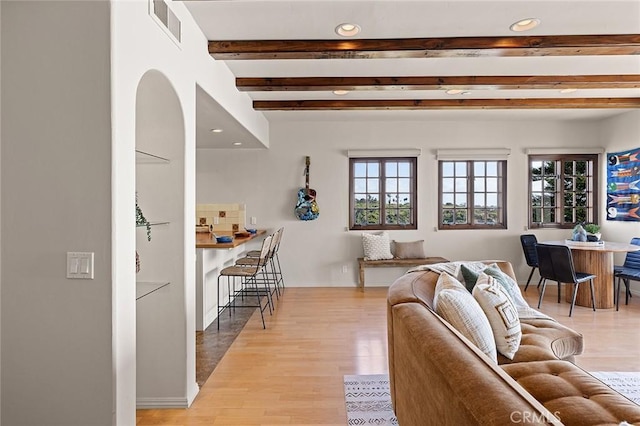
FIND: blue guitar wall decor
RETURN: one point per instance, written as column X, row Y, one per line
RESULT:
column 307, row 207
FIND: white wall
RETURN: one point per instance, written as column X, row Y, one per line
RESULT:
column 314, row 252
column 56, row 197
column 70, row 71
column 139, row 45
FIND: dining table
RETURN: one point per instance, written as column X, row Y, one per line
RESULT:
column 595, row 258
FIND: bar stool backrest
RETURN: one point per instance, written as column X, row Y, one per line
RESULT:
column 278, row 238
column 266, row 247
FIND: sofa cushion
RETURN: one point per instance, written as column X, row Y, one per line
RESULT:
column 501, row 313
column 573, row 395
column 544, row 340
column 457, row 306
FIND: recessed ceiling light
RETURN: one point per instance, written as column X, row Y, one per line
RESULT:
column 457, row 92
column 347, row 29
column 568, row 90
column 237, row 143
column 340, row 92
column 216, row 130
column 525, row 24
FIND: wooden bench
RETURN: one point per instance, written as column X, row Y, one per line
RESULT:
column 389, row 263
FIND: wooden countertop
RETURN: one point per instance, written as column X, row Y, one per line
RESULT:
column 207, row 240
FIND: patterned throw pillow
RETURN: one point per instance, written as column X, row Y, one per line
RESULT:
column 501, row 313
column 376, row 246
column 510, row 286
column 410, row 250
column 457, row 306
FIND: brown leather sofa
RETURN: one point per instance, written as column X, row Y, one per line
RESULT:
column 439, row 378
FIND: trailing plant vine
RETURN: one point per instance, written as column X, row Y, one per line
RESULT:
column 141, row 220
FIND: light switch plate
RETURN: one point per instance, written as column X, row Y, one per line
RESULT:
column 80, row 265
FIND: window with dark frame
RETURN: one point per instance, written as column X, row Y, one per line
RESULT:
column 472, row 194
column 563, row 190
column 383, row 193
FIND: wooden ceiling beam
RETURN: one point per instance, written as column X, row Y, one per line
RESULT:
column 305, row 84
column 551, row 45
column 447, row 104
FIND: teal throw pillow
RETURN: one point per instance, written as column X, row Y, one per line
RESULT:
column 470, row 277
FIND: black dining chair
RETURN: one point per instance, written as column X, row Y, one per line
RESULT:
column 629, row 271
column 529, row 242
column 555, row 263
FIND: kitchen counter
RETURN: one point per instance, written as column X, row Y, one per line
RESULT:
column 207, row 240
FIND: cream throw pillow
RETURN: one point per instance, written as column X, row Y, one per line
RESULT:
column 376, row 246
column 457, row 306
column 501, row 313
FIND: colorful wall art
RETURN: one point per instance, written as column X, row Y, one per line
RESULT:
column 623, row 185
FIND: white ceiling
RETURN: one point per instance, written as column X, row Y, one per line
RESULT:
column 306, row 19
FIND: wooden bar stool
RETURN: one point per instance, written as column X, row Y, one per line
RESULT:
column 250, row 284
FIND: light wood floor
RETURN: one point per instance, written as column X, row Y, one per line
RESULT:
column 292, row 372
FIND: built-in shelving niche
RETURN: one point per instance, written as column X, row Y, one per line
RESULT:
column 165, row 338
column 144, row 288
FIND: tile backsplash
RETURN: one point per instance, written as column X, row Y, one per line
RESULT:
column 223, row 217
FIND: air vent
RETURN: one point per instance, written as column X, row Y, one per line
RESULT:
column 166, row 18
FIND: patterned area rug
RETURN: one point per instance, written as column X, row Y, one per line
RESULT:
column 368, row 400
column 627, row 384
column 368, row 397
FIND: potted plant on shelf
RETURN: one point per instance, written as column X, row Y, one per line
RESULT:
column 593, row 231
column 141, row 221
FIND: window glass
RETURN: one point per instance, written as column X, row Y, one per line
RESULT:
column 471, row 194
column 383, row 193
column 562, row 190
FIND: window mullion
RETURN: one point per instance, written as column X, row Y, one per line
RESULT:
column 470, row 191
column 383, row 192
column 559, row 191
